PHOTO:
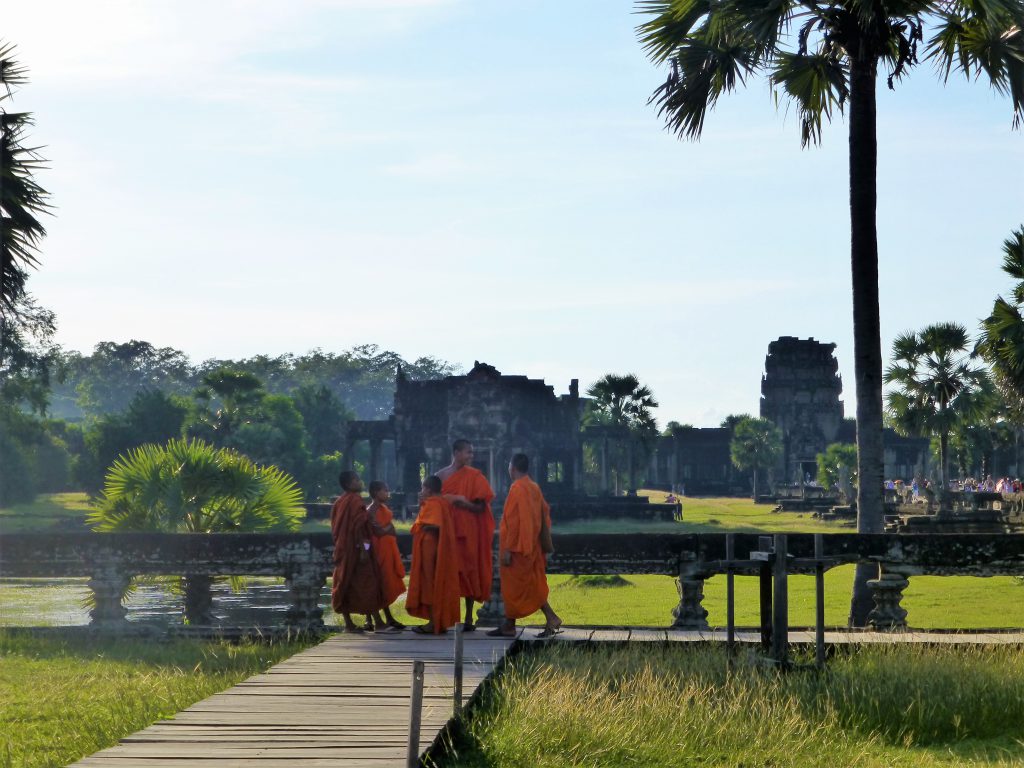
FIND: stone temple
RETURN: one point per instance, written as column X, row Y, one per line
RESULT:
column 504, row 414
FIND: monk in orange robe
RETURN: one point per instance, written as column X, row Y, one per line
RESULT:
column 355, row 586
column 524, row 585
column 470, row 495
column 389, row 559
column 434, row 576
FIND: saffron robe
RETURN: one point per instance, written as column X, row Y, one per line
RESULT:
column 524, row 586
column 389, row 559
column 434, row 575
column 474, row 532
column 355, row 586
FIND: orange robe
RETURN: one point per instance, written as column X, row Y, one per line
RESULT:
column 524, row 587
column 389, row 559
column 434, row 575
column 355, row 586
column 474, row 532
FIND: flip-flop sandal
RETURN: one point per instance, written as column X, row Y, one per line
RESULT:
column 390, row 630
column 355, row 631
column 499, row 632
column 546, row 633
column 422, row 630
column 469, row 627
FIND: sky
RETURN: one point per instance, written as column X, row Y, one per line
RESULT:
column 480, row 180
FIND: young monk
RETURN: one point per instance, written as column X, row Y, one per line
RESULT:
column 434, row 576
column 355, row 586
column 470, row 495
column 524, row 586
column 389, row 559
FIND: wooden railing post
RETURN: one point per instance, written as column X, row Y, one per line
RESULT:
column 780, row 605
column 730, row 594
column 412, row 754
column 819, row 600
column 457, row 673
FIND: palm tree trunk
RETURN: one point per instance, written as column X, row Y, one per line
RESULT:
column 867, row 341
column 944, row 459
column 755, row 485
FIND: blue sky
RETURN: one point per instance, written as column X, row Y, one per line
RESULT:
column 479, row 180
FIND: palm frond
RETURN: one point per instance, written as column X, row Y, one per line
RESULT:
column 817, row 83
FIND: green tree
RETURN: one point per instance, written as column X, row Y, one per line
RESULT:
column 832, row 63
column 837, row 467
column 22, row 199
column 1002, row 332
column 755, row 447
column 152, row 416
column 622, row 401
column 937, row 386
column 325, row 418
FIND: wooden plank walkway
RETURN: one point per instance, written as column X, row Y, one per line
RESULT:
column 344, row 702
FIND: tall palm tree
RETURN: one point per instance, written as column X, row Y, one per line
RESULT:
column 1002, row 332
column 622, row 401
column 825, row 55
column 937, row 385
column 22, row 200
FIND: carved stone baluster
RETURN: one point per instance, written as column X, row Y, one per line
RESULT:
column 108, row 584
column 198, row 608
column 492, row 613
column 887, row 591
column 690, row 613
column 305, row 583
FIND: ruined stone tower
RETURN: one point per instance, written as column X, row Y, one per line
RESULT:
column 800, row 393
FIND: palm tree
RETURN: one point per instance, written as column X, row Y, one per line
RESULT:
column 21, row 198
column 623, row 402
column 1002, row 332
column 823, row 55
column 192, row 487
column 756, row 445
column 937, row 385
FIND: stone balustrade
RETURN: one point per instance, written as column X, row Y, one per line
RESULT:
column 109, row 561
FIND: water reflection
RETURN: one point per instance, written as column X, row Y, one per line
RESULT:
column 61, row 602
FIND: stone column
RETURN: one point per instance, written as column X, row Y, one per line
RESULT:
column 373, row 470
column 604, row 465
column 305, row 582
column 347, row 458
column 690, row 613
column 492, row 613
column 108, row 585
column 887, row 591
column 198, row 607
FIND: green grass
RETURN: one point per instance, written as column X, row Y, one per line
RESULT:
column 49, row 512
column 933, row 602
column 62, row 699
column 664, row 705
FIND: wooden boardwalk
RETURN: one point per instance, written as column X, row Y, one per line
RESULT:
column 345, row 702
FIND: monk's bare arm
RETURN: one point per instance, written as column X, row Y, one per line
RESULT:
column 477, row 505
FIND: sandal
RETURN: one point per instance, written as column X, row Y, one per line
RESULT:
column 421, row 629
column 549, row 632
column 469, row 627
column 501, row 632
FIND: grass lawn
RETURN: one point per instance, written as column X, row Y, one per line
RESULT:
column 664, row 705
column 62, row 699
column 49, row 512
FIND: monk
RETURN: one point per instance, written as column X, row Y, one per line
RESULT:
column 434, row 576
column 524, row 585
column 470, row 495
column 389, row 559
column 355, row 586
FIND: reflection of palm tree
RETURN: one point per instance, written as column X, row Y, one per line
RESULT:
column 832, row 61
column 937, row 387
column 623, row 402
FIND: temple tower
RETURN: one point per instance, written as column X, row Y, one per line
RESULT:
column 800, row 393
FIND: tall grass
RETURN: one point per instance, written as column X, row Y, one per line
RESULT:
column 62, row 699
column 672, row 706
